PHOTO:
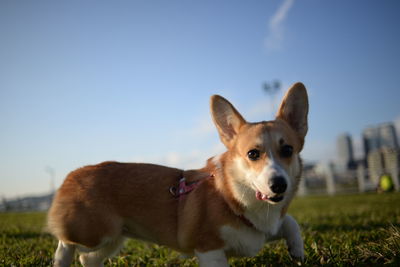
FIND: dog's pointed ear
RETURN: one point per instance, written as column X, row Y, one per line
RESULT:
column 294, row 110
column 226, row 118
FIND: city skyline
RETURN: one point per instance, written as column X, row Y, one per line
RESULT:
column 373, row 138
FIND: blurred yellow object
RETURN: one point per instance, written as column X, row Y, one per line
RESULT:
column 386, row 183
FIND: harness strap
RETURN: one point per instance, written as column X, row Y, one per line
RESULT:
column 184, row 188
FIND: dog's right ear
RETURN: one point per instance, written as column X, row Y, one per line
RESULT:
column 294, row 110
column 226, row 118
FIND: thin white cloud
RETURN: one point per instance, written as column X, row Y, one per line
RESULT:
column 276, row 29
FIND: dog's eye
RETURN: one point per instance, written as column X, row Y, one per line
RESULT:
column 286, row 151
column 253, row 154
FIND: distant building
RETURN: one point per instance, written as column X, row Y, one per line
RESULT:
column 345, row 152
column 384, row 161
column 370, row 140
column 388, row 136
column 32, row 203
column 376, row 165
column 391, row 159
column 379, row 137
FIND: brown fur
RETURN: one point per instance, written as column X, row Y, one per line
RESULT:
column 104, row 201
column 111, row 198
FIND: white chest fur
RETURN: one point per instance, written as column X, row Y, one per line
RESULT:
column 266, row 218
column 246, row 241
column 243, row 241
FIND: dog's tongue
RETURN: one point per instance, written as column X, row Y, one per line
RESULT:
column 261, row 196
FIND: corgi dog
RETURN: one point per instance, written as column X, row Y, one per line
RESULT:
column 231, row 207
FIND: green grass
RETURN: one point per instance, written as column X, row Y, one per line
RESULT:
column 348, row 230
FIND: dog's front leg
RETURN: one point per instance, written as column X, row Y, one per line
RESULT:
column 290, row 231
column 212, row 258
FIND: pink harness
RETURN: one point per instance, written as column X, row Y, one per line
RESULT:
column 184, row 188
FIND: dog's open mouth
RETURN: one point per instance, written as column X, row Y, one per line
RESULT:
column 263, row 197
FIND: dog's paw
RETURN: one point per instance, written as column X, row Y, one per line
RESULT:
column 297, row 253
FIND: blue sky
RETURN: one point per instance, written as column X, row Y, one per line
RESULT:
column 86, row 81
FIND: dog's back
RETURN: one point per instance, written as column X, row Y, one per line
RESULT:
column 103, row 201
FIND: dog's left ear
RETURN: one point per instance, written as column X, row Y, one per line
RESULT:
column 294, row 110
column 227, row 119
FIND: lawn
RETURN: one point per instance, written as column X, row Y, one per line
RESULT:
column 362, row 230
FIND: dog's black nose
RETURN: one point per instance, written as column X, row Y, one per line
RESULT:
column 278, row 184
